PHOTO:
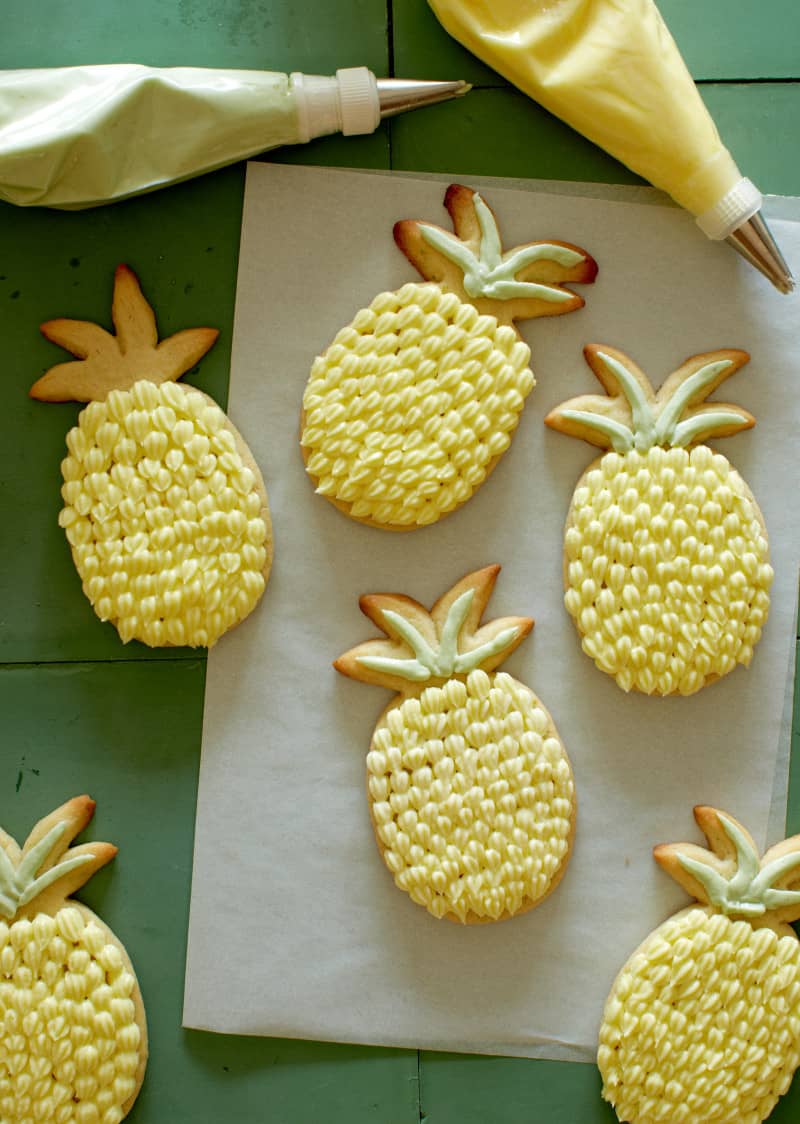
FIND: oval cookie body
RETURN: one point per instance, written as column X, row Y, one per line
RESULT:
column 472, row 797
column 411, row 406
column 666, row 567
column 703, row 1023
column 166, row 515
column 74, row 1038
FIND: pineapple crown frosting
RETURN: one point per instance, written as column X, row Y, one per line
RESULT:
column 45, row 864
column 20, row 885
column 444, row 643
column 490, row 272
column 526, row 281
column 633, row 416
column 446, row 660
column 731, row 877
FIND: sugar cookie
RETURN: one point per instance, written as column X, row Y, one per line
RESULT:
column 703, row 1022
column 666, row 560
column 74, row 1041
column 165, row 509
column 414, row 402
column 470, row 788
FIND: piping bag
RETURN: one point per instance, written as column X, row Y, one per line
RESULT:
column 74, row 137
column 611, row 70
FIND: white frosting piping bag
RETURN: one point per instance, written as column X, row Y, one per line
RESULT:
column 74, row 137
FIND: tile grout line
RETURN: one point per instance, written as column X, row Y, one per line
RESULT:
column 390, row 63
column 697, row 81
column 420, row 1112
column 390, row 37
column 27, row 664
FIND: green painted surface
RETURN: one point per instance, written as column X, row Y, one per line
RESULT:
column 315, row 36
column 519, row 138
column 129, row 735
column 759, row 125
column 126, row 725
column 183, row 243
column 736, row 38
column 722, row 39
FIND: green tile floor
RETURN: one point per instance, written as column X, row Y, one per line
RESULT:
column 79, row 711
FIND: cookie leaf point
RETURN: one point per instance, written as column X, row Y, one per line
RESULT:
column 454, row 645
column 108, row 362
column 81, row 337
column 472, row 260
column 132, row 316
column 710, row 423
column 675, row 417
column 748, row 891
column 21, row 884
column 617, row 435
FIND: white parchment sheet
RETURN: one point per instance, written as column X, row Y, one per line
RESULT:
column 296, row 927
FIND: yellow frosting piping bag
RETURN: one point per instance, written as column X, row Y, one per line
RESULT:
column 611, row 70
column 74, row 137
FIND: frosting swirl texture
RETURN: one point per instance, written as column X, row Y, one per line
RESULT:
column 411, row 404
column 667, row 568
column 703, row 1023
column 164, row 518
column 472, row 797
column 71, row 1042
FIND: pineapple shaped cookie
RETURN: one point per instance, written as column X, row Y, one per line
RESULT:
column 165, row 509
column 666, row 560
column 703, row 1022
column 74, row 1039
column 470, row 788
column 413, row 403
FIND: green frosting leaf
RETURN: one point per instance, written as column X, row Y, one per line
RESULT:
column 686, row 431
column 670, row 415
column 446, row 660
column 491, row 274
column 750, row 891
column 620, row 435
column 19, row 885
column 666, row 429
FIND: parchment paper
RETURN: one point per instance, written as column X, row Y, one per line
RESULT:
column 296, row 927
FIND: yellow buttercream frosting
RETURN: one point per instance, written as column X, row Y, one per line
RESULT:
column 70, row 1043
column 472, row 797
column 703, row 1023
column 667, row 568
column 411, row 404
column 163, row 516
